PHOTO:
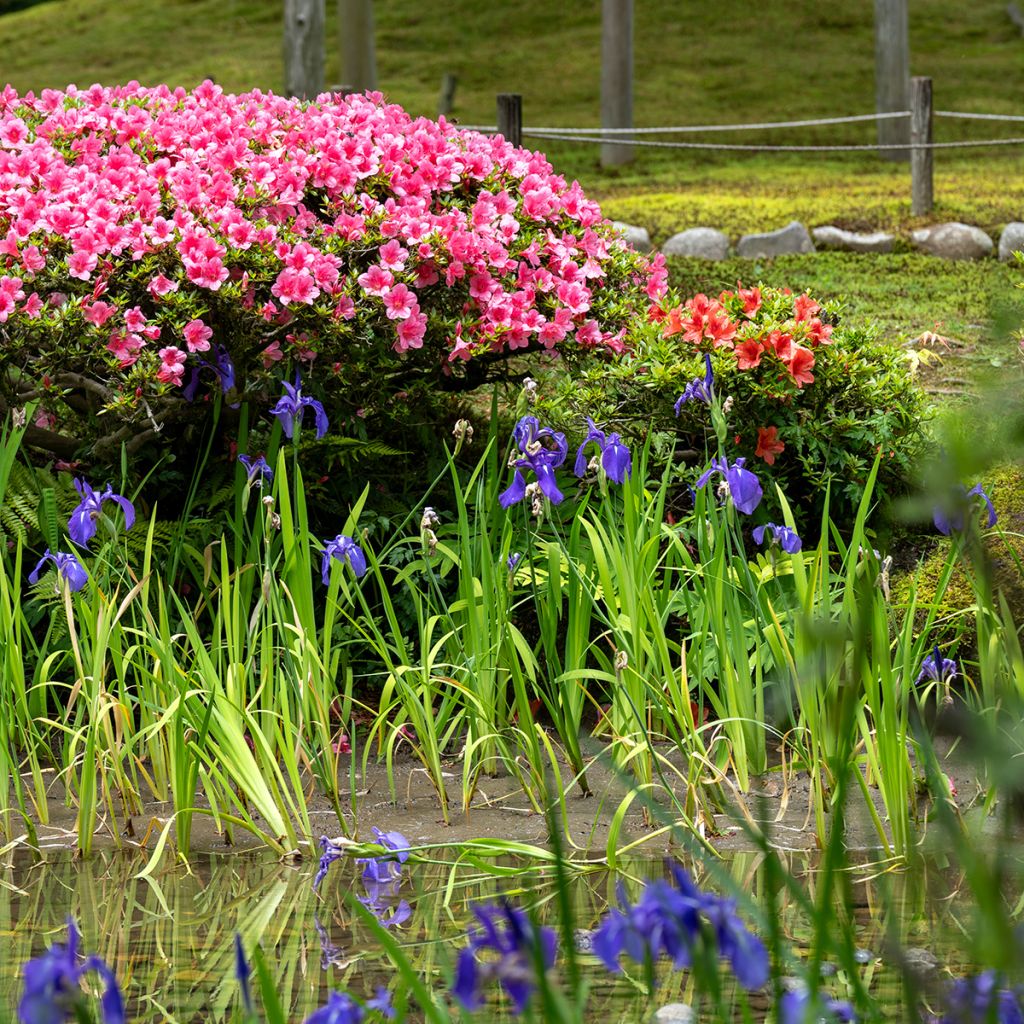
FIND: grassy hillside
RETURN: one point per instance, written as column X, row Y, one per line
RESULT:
column 694, row 61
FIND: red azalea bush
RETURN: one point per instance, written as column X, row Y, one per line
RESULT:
column 812, row 399
column 159, row 245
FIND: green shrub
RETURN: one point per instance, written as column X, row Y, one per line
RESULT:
column 861, row 404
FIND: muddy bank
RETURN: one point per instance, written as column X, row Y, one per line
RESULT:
column 778, row 803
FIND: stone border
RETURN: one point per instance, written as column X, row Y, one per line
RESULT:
column 952, row 240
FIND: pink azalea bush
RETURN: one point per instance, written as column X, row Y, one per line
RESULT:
column 158, row 245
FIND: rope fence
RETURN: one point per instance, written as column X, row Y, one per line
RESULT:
column 919, row 147
column 696, row 129
column 754, row 148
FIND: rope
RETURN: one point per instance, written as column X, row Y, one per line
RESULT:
column 697, row 128
column 978, row 117
column 737, row 147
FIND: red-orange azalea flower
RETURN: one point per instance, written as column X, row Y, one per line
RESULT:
column 768, row 444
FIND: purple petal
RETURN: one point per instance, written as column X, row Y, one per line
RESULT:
column 616, row 459
column 744, row 488
column 546, row 479
column 516, row 491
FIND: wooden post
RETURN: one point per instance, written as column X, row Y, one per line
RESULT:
column 446, row 100
column 616, row 76
column 358, row 47
column 922, row 193
column 510, row 117
column 303, row 48
column 892, row 75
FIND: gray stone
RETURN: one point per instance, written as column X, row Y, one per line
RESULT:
column 793, row 238
column 636, row 236
column 1011, row 240
column 704, row 243
column 921, row 962
column 830, row 237
column 953, row 241
column 674, row 1013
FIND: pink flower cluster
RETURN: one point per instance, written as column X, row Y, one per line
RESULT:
column 150, row 224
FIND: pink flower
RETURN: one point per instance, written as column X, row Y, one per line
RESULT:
column 271, row 354
column 81, row 265
column 161, row 285
column 376, row 281
column 125, row 347
column 393, row 256
column 33, row 306
column 172, row 366
column 411, row 332
column 197, row 336
column 99, row 312
column 400, row 302
column 344, row 308
column 575, row 297
column 134, row 320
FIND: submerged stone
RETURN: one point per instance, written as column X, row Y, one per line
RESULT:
column 674, row 1013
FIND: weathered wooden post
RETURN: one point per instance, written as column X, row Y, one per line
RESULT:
column 358, row 46
column 616, row 76
column 446, row 99
column 303, row 48
column 892, row 74
column 921, row 186
column 510, row 117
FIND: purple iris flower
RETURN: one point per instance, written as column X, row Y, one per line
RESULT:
column 742, row 948
column 615, row 458
column 331, row 852
column 191, row 389
column 331, row 955
column 380, row 901
column 937, row 668
column 516, row 939
column 513, row 560
column 698, row 390
column 53, row 992
column 387, row 867
column 663, row 921
column 290, row 405
column 950, row 518
column 82, row 524
column 797, row 1007
column 742, row 485
column 223, row 369
column 69, row 568
column 786, row 538
column 668, row 920
column 243, row 972
column 344, row 549
column 341, row 1008
column 981, row 999
column 257, row 467
column 542, row 451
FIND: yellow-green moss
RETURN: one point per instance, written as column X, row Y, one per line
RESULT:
column 1006, row 487
column 985, row 193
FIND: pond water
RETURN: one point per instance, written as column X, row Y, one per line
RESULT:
column 169, row 937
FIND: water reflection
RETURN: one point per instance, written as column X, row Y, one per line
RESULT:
column 169, row 937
